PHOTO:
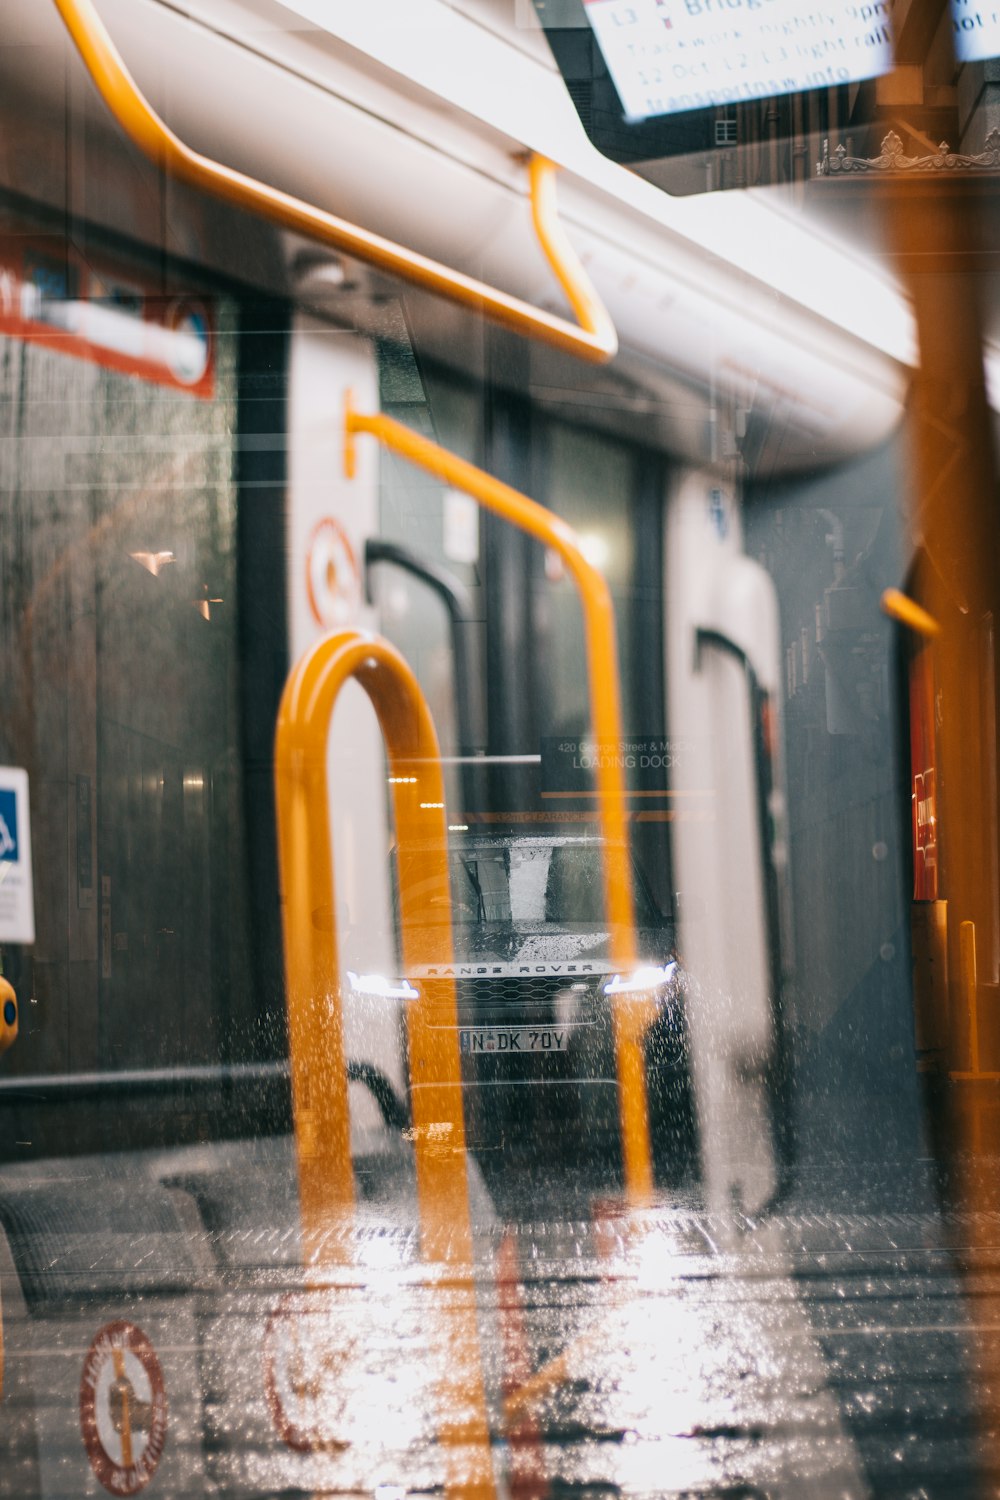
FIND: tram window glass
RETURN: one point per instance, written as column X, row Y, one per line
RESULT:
column 832, row 543
column 590, row 485
column 439, row 527
column 122, row 671
column 534, row 884
column 719, row 1241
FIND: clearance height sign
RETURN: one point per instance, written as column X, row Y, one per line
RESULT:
column 666, row 56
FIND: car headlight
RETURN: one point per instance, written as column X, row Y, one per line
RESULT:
column 641, row 983
column 379, row 987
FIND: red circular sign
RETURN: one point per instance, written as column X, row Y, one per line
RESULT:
column 123, row 1408
column 333, row 583
column 305, row 1364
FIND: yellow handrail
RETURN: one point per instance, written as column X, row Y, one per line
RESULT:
column 315, row 1015
column 319, row 1079
column 899, row 606
column 630, row 1016
column 594, row 340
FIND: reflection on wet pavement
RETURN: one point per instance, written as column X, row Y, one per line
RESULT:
column 643, row 1353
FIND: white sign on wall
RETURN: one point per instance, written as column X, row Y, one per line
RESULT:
column 977, row 30
column 667, row 56
column 17, row 906
column 460, row 520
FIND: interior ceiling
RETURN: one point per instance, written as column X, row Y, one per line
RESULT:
column 99, row 183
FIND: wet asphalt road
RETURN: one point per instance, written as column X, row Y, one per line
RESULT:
column 839, row 1349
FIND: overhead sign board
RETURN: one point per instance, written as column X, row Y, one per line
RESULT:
column 667, row 56
column 699, row 95
column 569, row 764
column 977, row 30
column 17, row 908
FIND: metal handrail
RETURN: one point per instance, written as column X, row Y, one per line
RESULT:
column 594, row 340
column 318, row 1062
column 631, row 1017
column 227, row 1078
column 315, row 1016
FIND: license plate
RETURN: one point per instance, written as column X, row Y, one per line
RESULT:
column 514, row 1041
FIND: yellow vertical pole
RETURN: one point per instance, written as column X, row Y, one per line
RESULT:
column 631, row 1016
column 312, row 972
column 970, row 993
column 315, row 1017
column 937, row 229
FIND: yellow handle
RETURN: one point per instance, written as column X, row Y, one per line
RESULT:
column 630, row 1016
column 969, row 988
column 594, row 340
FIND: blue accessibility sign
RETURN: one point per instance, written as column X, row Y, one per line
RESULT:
column 8, row 824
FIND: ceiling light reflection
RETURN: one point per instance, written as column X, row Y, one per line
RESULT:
column 153, row 562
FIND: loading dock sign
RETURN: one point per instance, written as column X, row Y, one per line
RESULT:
column 17, row 907
column 569, row 765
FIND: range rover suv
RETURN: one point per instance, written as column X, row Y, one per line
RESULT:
column 535, row 986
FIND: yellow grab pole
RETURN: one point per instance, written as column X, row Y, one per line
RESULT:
column 970, row 991
column 594, row 340
column 630, row 1016
column 312, row 974
column 315, row 1017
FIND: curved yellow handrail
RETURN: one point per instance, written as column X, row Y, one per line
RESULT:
column 594, row 340
column 630, row 1016
column 315, row 1020
column 315, row 1013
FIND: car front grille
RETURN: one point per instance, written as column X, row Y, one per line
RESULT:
column 495, row 997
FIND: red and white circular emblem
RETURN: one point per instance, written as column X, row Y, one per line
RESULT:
column 333, row 583
column 190, row 349
column 123, row 1408
column 305, row 1365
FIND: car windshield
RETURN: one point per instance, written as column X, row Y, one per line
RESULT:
column 535, row 885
